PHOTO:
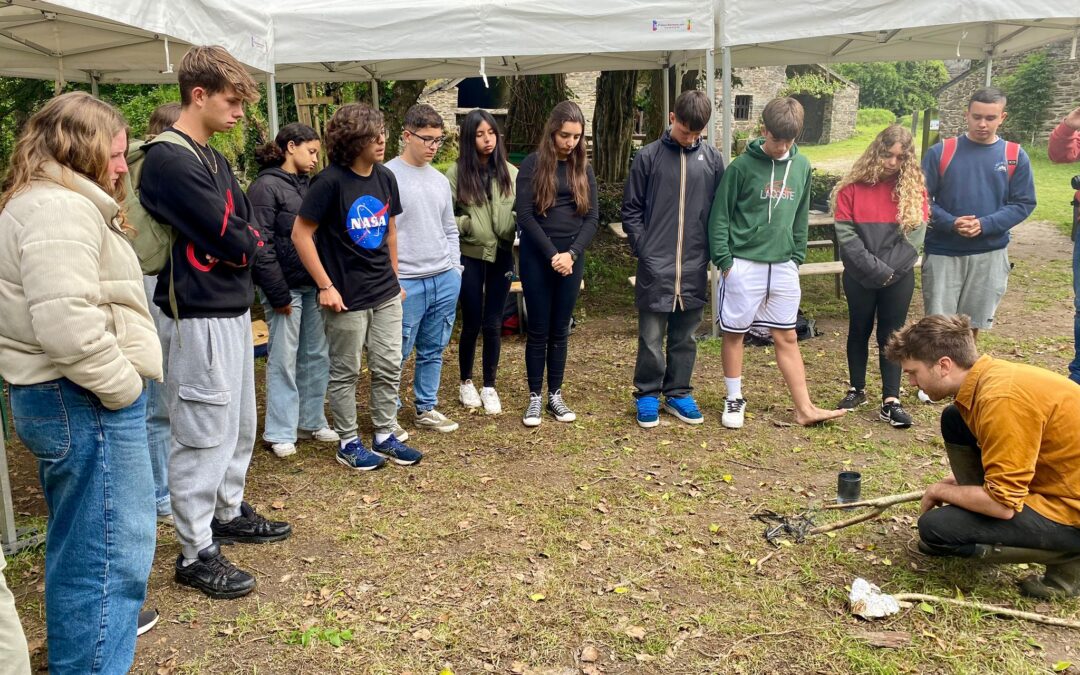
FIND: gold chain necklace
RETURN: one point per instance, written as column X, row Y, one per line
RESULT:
column 211, row 162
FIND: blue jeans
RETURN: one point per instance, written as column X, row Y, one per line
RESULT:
column 428, row 314
column 1074, row 367
column 159, row 438
column 95, row 472
column 297, row 369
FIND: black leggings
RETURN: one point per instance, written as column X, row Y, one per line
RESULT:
column 549, row 301
column 890, row 306
column 484, row 286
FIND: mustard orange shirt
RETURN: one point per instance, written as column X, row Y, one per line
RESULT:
column 1027, row 422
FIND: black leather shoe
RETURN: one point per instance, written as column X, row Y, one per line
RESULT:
column 214, row 575
column 249, row 528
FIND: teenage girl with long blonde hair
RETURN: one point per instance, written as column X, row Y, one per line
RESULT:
column 881, row 212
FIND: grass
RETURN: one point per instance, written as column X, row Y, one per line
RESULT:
column 1053, row 191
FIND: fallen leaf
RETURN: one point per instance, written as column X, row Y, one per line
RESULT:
column 636, row 632
column 621, row 590
column 602, row 508
column 584, row 545
column 927, row 607
column 714, row 528
column 277, row 505
column 727, row 478
column 665, row 442
column 370, row 499
column 590, row 654
column 1062, row 666
column 537, row 597
column 423, row 635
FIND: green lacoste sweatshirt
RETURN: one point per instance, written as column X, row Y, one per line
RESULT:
column 761, row 209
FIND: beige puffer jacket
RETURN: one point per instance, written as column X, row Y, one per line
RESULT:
column 71, row 292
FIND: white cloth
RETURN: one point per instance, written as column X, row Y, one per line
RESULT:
column 758, row 294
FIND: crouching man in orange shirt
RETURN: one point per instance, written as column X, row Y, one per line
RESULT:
column 1013, row 443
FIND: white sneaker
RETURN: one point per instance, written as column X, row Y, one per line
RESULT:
column 734, row 413
column 468, row 396
column 433, row 419
column 490, row 398
column 399, row 432
column 324, row 435
column 923, row 397
column 533, row 413
column 283, row 449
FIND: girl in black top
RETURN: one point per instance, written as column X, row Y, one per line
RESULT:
column 557, row 215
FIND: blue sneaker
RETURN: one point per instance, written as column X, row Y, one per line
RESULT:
column 684, row 408
column 648, row 412
column 357, row 457
column 395, row 450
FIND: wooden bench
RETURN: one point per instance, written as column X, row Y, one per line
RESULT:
column 805, row 270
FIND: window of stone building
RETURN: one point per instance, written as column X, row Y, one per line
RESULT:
column 743, row 105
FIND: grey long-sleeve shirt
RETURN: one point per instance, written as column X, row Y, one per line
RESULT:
column 427, row 232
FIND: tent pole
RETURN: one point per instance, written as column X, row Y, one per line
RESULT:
column 94, row 85
column 989, row 68
column 271, row 103
column 375, row 94
column 727, row 111
column 710, row 91
column 667, row 93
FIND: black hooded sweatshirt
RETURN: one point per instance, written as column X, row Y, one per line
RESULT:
column 276, row 196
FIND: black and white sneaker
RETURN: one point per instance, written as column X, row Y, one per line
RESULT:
column 148, row 618
column 532, row 417
column 853, row 399
column 558, row 408
column 894, row 413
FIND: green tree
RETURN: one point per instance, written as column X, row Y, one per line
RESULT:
column 1030, row 89
column 899, row 86
column 613, row 124
column 531, row 99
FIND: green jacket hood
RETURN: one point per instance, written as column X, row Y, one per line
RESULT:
column 757, row 151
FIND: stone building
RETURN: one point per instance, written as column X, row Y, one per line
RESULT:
column 828, row 118
column 953, row 97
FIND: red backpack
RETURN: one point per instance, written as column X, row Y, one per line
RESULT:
column 948, row 151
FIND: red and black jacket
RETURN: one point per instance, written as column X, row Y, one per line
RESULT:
column 216, row 234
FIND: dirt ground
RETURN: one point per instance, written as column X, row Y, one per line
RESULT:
column 598, row 547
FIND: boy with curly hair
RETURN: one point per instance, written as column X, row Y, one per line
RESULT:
column 353, row 204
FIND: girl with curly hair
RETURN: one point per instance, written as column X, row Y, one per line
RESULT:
column 881, row 211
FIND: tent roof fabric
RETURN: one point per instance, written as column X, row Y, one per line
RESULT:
column 834, row 31
column 347, row 40
column 122, row 40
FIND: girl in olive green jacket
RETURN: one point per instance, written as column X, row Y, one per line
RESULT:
column 482, row 182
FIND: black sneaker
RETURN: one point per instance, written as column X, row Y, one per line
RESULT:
column 148, row 618
column 214, row 575
column 893, row 413
column 853, row 399
column 249, row 528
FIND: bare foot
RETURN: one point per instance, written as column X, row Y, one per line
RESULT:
column 817, row 415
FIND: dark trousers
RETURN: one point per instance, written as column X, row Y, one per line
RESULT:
column 889, row 306
column 951, row 530
column 484, row 286
column 549, row 300
column 654, row 373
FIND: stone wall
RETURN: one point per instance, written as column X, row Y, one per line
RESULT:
column 953, row 101
column 445, row 103
column 841, row 113
column 583, row 92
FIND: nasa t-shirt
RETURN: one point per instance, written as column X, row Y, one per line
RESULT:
column 353, row 213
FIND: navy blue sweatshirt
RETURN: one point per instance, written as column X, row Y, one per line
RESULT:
column 976, row 183
column 212, row 219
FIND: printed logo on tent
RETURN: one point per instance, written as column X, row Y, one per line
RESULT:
column 367, row 222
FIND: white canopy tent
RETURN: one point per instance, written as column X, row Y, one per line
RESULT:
column 835, row 31
column 122, row 40
column 331, row 40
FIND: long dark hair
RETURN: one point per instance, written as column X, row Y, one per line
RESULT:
column 547, row 160
column 273, row 153
column 472, row 175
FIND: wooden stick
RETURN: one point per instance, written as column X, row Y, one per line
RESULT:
column 989, row 609
column 886, row 501
column 879, row 504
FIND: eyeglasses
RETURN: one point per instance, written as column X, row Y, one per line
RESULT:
column 429, row 142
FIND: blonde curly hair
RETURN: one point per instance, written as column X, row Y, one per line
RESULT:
column 910, row 190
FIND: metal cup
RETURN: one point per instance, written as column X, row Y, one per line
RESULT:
column 848, row 487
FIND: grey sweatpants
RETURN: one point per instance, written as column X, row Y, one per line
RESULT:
column 378, row 329
column 210, row 385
